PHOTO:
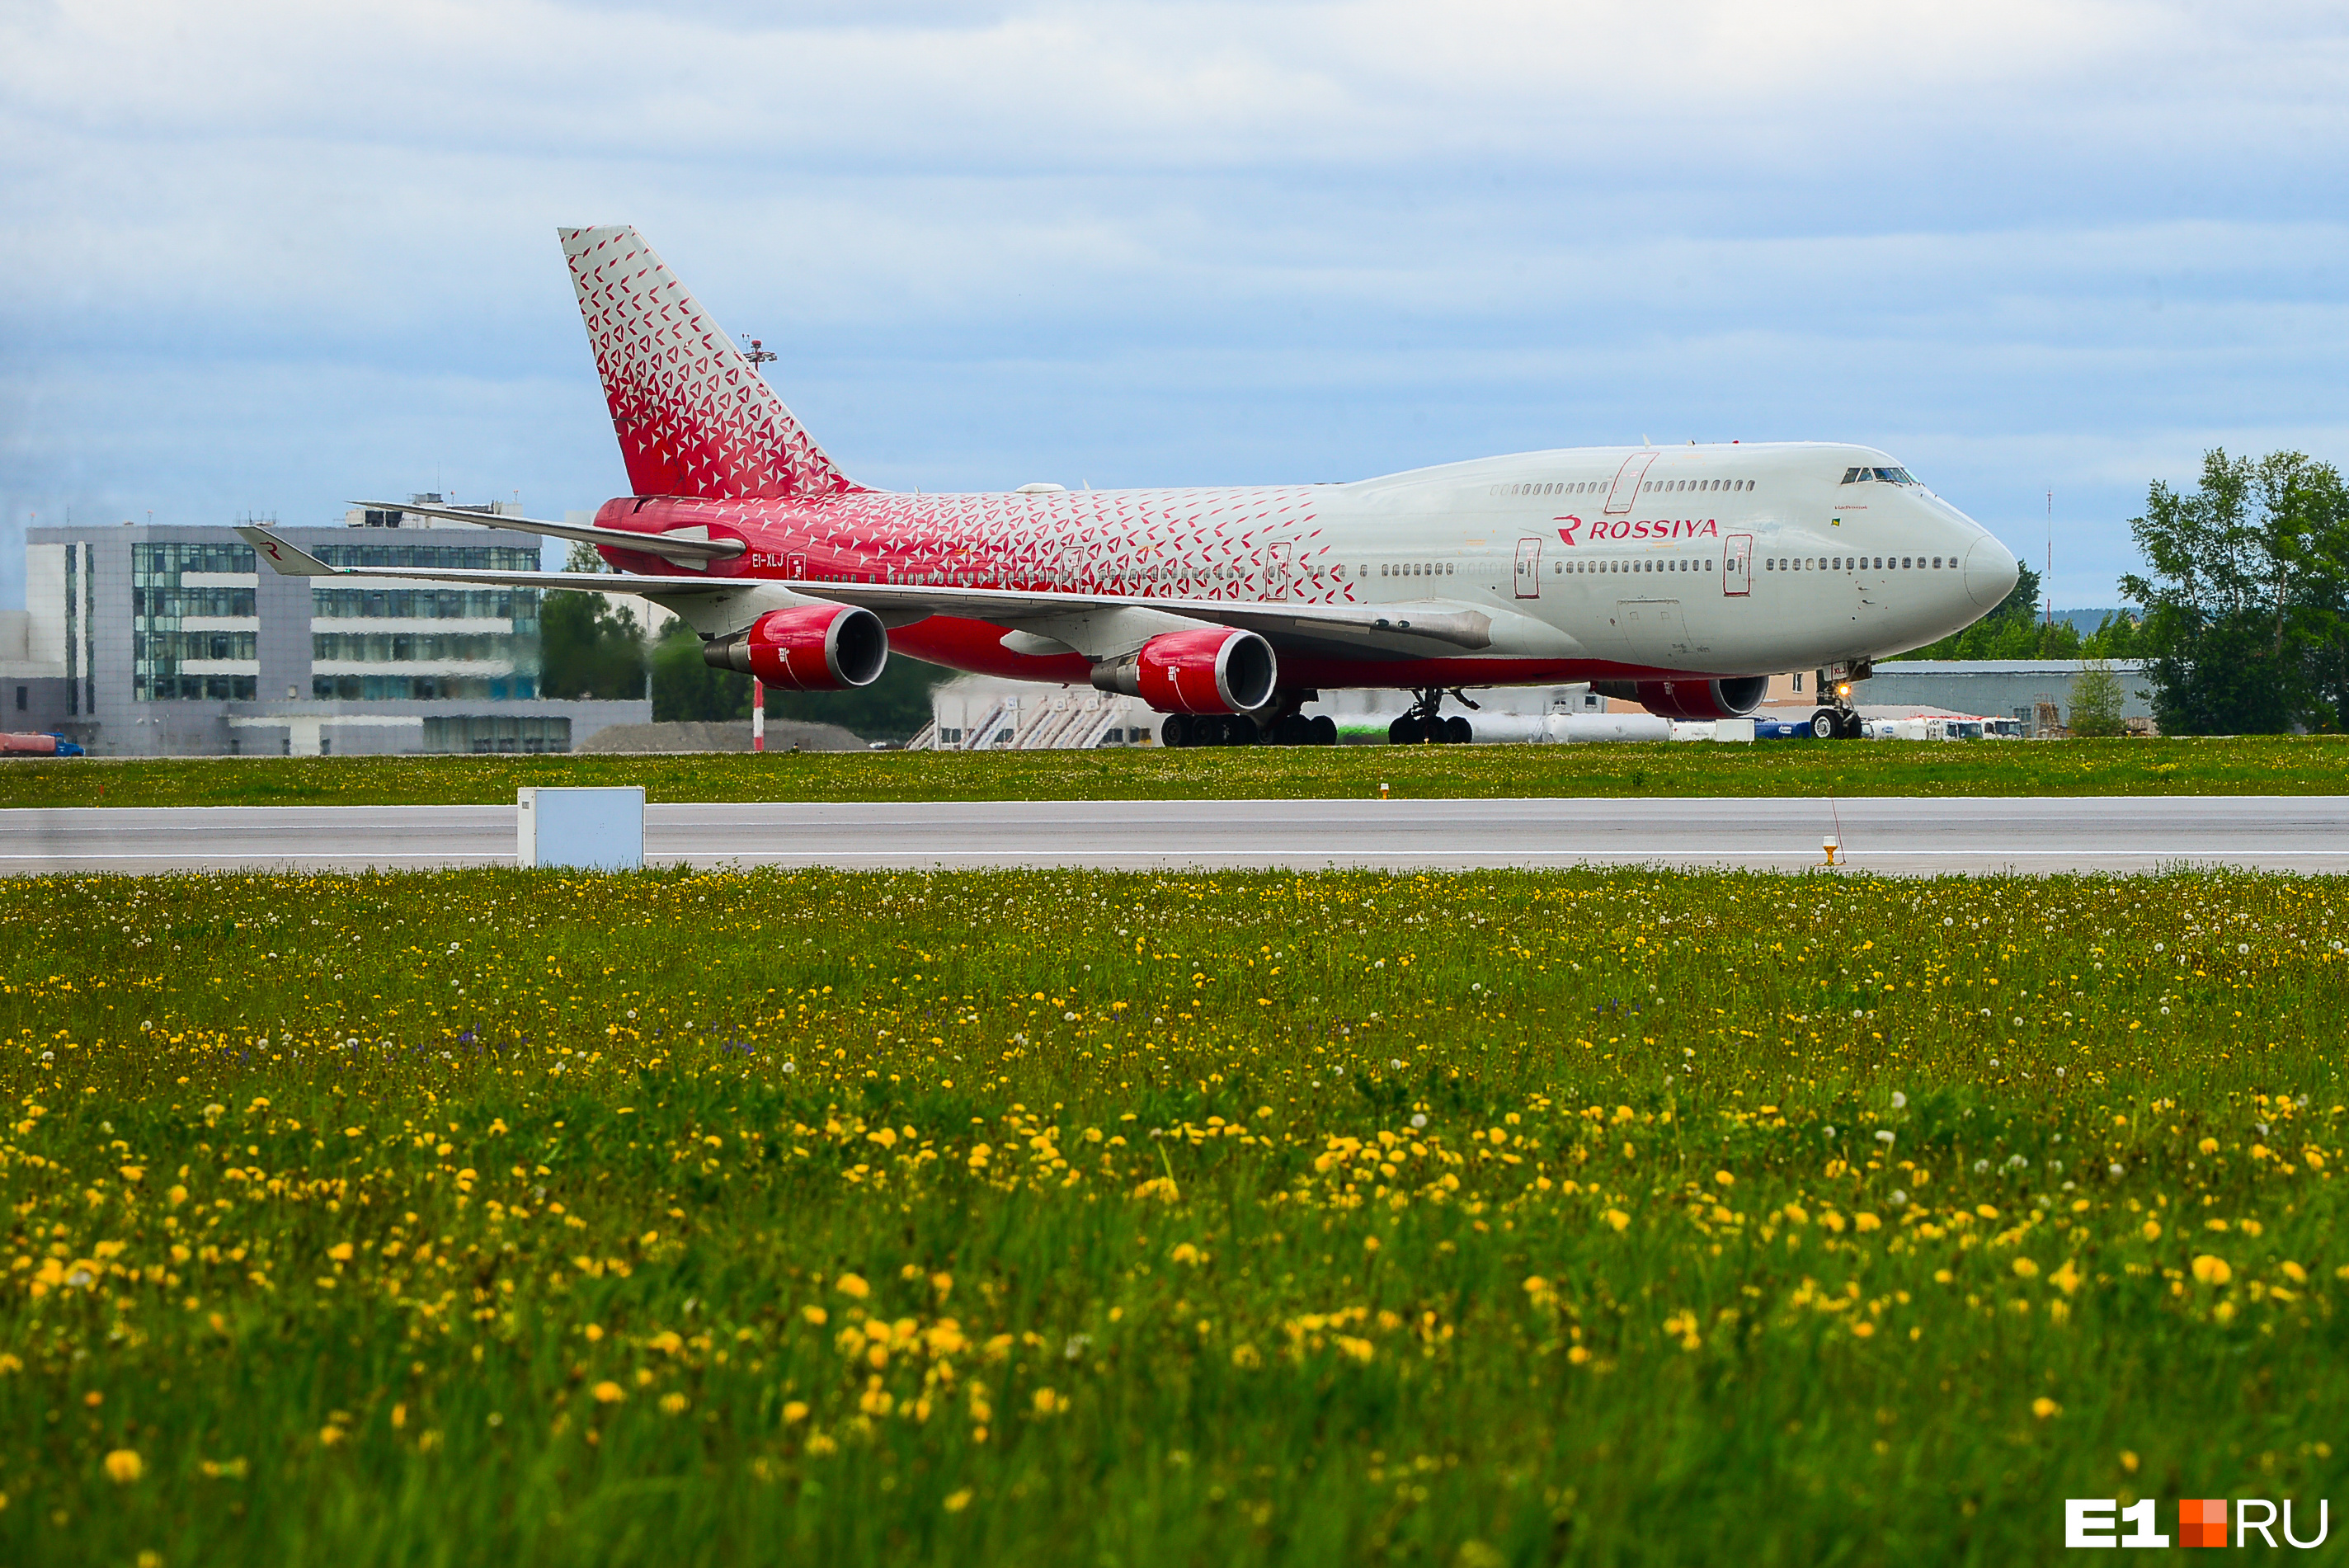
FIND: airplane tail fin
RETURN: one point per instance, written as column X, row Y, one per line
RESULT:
column 693, row 416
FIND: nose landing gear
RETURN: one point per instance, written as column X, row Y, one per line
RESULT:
column 1839, row 720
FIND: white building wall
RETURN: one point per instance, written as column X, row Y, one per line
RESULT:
column 45, row 602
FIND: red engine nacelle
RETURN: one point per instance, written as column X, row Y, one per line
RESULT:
column 1216, row 670
column 1691, row 697
column 815, row 648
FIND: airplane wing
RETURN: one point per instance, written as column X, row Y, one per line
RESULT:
column 1099, row 625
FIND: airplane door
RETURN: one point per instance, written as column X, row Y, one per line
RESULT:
column 1529, row 568
column 1627, row 481
column 1737, row 565
column 1275, row 569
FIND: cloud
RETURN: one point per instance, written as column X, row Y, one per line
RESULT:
column 266, row 256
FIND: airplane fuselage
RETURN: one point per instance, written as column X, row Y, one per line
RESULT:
column 1590, row 563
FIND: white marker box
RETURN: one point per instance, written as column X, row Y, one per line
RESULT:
column 587, row 829
column 1734, row 730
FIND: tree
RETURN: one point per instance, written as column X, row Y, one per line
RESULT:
column 2247, row 600
column 2014, row 629
column 589, row 646
column 2097, row 700
column 685, row 687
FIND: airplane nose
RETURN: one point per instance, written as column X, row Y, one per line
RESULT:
column 1990, row 572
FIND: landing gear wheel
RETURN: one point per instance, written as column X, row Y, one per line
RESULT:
column 1175, row 733
column 1826, row 725
column 1295, row 729
column 1405, row 731
column 1323, row 731
column 1458, row 731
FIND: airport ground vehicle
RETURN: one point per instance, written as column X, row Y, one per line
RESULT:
column 42, row 746
column 1679, row 578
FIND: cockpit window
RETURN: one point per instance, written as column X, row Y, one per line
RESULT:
column 1889, row 475
column 1894, row 476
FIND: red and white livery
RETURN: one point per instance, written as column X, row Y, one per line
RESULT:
column 1682, row 575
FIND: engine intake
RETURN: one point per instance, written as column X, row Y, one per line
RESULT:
column 1216, row 670
column 1691, row 698
column 813, row 648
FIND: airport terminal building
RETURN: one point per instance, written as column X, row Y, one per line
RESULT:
column 153, row 640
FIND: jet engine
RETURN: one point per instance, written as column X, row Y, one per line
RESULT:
column 1216, row 670
column 812, row 647
column 1691, row 697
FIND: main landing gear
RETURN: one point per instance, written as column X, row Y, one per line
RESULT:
column 1278, row 724
column 1426, row 726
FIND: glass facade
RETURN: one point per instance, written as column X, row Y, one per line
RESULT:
column 163, row 648
column 489, row 733
column 448, row 557
column 398, row 661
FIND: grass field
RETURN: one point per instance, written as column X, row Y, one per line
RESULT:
column 2256, row 765
column 507, row 1218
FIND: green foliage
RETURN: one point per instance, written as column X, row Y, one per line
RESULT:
column 2269, row 765
column 498, row 1217
column 590, row 645
column 684, row 686
column 2114, row 638
column 2017, row 629
column 2247, row 600
column 2097, row 700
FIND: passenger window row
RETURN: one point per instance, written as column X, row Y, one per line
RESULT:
column 1414, row 569
column 1857, row 564
column 1595, row 486
column 1635, row 564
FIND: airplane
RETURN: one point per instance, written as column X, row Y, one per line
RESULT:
column 1229, row 609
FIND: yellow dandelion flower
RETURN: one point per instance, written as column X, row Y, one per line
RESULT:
column 794, row 1412
column 2043, row 1407
column 955, row 1501
column 124, row 1466
column 608, row 1392
column 2024, row 1268
column 1618, row 1219
column 340, row 1252
column 852, row 1286
column 2212, row 1270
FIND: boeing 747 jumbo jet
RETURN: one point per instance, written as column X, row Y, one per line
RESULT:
column 1228, row 609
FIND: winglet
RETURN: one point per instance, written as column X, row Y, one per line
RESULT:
column 289, row 560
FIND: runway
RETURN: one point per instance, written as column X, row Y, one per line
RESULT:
column 1905, row 837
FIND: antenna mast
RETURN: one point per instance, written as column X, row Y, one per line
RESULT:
column 759, row 354
column 2048, row 583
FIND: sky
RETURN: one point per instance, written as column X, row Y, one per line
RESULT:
column 268, row 257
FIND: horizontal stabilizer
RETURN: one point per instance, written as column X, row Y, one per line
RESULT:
column 676, row 546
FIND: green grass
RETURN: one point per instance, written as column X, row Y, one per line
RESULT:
column 510, row 1217
column 2262, row 766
